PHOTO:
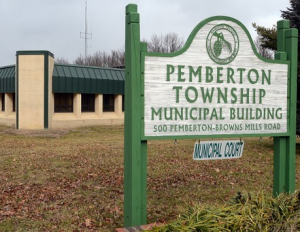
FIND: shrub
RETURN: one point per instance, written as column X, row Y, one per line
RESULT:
column 246, row 212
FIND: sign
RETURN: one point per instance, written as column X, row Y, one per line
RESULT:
column 217, row 85
column 223, row 149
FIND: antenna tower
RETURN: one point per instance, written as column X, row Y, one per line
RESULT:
column 85, row 34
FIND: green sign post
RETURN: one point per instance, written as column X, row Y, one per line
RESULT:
column 216, row 86
column 135, row 149
column 285, row 146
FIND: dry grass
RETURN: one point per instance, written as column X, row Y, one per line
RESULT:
column 73, row 180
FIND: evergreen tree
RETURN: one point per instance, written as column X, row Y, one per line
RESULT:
column 293, row 14
column 268, row 38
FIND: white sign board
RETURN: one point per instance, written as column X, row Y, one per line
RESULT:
column 217, row 85
column 212, row 150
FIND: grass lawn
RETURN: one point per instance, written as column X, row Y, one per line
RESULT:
column 73, row 180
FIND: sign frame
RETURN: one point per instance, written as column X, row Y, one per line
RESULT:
column 135, row 141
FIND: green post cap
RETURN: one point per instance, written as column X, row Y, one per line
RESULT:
column 131, row 8
column 283, row 24
column 280, row 56
column 293, row 32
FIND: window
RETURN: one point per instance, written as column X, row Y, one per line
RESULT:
column 63, row 102
column 2, row 101
column 108, row 103
column 14, row 102
column 88, row 103
column 123, row 102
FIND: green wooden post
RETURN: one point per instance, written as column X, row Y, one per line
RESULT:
column 280, row 143
column 291, row 48
column 285, row 147
column 135, row 150
column 279, row 165
column 143, row 47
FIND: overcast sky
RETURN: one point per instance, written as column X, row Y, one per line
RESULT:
column 55, row 25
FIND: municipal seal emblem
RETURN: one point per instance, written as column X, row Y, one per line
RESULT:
column 222, row 44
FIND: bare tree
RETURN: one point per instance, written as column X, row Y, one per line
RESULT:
column 265, row 52
column 168, row 43
column 80, row 60
column 61, row 60
column 103, row 59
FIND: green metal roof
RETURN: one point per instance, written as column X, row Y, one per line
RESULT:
column 87, row 79
column 7, row 79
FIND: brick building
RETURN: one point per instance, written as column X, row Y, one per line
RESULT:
column 36, row 93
